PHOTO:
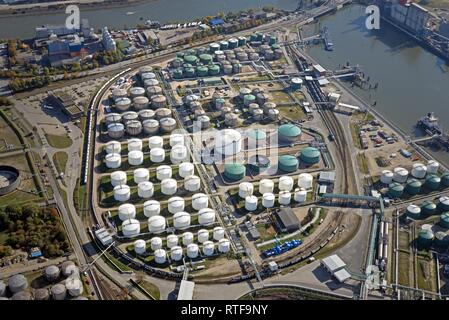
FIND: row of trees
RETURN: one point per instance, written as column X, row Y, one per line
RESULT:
column 19, row 84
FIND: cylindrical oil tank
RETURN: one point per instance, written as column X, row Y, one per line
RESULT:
column 141, row 103
column 208, row 248
column 242, row 41
column 155, row 142
column 176, row 204
column 151, row 208
column 145, row 189
column 248, row 99
column 68, row 268
column 252, row 107
column 156, row 224
column 251, row 203
column 169, row 186
column 289, row 133
column 413, row 187
column 74, row 286
column 444, row 220
column 22, row 295
column 204, row 121
column 203, row 235
column 187, row 238
column 118, row 93
column 219, row 233
column 206, row 58
column 200, row 201
column 123, row 104
column 432, row 167
column 214, row 70
column 428, row 208
column 113, row 160
column 227, row 69
column 129, row 116
column 158, row 101
column 206, row 216
column 116, row 130
column 443, row 204
column 131, row 228
column 202, row 71
column 192, row 250
column 113, row 147
column 262, row 98
column 134, row 127
column 296, row 83
column 288, row 163
column 234, row 171
column 172, row 241
column 122, row 193
column 134, row 144
column 135, row 158
column 51, row 274
column 157, row 155
column 163, row 172
column 58, row 292
column 118, row 178
column 266, row 186
column 224, row 245
column 419, row 170
column 425, row 238
column 284, row 197
column 268, row 200
column 163, row 113
column 432, row 182
column 400, row 175
column 176, row 138
column 441, row 240
column 156, row 243
column 178, row 154
column 286, row 183
column 300, row 195
column 413, row 212
column 305, row 180
column 244, row 92
column 151, row 83
column 395, row 190
column 186, row 169
column 176, row 253
column 41, row 294
column 228, row 142
column 113, row 118
column 246, row 189
column 445, row 179
column 126, row 211
column 160, row 256
column 267, row 106
column 140, row 246
column 148, row 75
column 224, row 45
column 237, row 68
column 136, row 92
column 192, row 183
column 150, row 126
column 273, row 114
column 190, row 59
column 310, row 155
column 141, row 175
column 386, row 177
column 167, row 125
column 231, row 119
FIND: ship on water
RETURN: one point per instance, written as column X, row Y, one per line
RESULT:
column 430, row 124
column 328, row 45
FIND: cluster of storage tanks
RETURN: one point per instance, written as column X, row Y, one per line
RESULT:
column 429, row 208
column 174, row 244
column 258, row 104
column 71, row 287
column 400, row 180
column 192, row 101
column 266, row 45
column 427, row 238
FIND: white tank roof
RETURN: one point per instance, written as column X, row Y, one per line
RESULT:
column 156, row 224
column 206, row 216
column 181, row 220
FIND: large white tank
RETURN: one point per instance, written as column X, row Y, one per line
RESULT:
column 266, row 186
column 157, row 155
column 113, row 160
column 176, row 253
column 206, row 216
column 400, row 175
column 140, row 246
column 123, row 104
column 141, row 175
column 208, row 248
column 113, row 147
column 122, row 193
column 145, row 189
column 300, row 195
column 129, row 116
column 118, row 178
column 192, row 183
column 192, row 250
column 134, row 144
column 151, row 208
column 126, row 211
column 305, row 180
column 224, row 245
column 172, row 241
column 228, row 142
column 131, row 228
column 284, row 197
column 69, row 268
column 155, row 142
column 156, row 243
column 136, row 92
column 181, row 220
column 156, row 224
column 169, row 187
column 432, row 167
column 176, row 204
column 219, row 233
column 203, row 235
column 58, row 291
column 17, row 283
column 113, row 118
column 160, row 256
column 200, row 201
column 176, row 138
column 135, row 158
column 178, row 154
column 163, row 172
column 251, row 203
column 187, row 238
column 246, row 189
column 268, row 200
column 386, row 177
column 186, row 169
column 285, row 183
column 419, row 170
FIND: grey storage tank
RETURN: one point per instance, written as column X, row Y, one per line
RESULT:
column 17, row 283
column 158, row 101
column 116, row 130
column 150, row 126
column 134, row 127
column 167, row 125
column 141, row 102
column 41, row 294
column 52, row 273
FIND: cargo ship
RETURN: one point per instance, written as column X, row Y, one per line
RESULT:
column 328, row 45
column 429, row 124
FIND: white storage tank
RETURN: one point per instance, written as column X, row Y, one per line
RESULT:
column 135, row 158
column 118, row 178
column 251, row 203
column 300, row 195
column 113, row 118
column 285, row 183
column 219, row 233
column 208, row 248
column 246, row 189
column 200, row 201
column 123, row 104
column 160, row 256
column 68, row 268
column 386, row 177
column 432, row 167
column 113, row 160
column 187, row 238
column 126, row 211
column 163, row 172
column 129, row 116
column 172, row 241
column 156, row 243
column 136, row 92
column 134, row 144
column 176, row 138
column 228, row 142
column 156, row 224
column 74, row 286
column 284, row 197
column 147, row 114
column 141, row 175
column 305, row 180
column 155, row 142
column 192, row 183
column 122, row 193
column 186, row 169
column 113, row 147
column 131, row 228
column 181, row 220
column 140, row 246
column 206, row 216
column 268, row 200
column 400, row 175
column 58, row 291
column 266, row 186
column 224, row 245
column 176, row 253
column 151, row 208
column 192, row 250
column 145, row 189
column 203, row 235
column 157, row 155
column 176, row 204
column 419, row 170
column 169, row 187
column 158, row 101
column 178, row 154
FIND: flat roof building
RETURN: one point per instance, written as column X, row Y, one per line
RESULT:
column 186, row 290
column 336, row 267
column 326, row 177
column 286, row 220
column 66, row 103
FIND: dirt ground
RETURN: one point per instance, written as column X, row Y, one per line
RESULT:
column 220, row 267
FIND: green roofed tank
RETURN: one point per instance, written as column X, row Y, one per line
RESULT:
column 413, row 187
column 288, row 163
column 214, row 70
column 444, row 220
column 441, row 239
column 259, row 36
column 425, row 238
column 206, row 58
column 248, row 99
column 413, row 212
column 272, row 40
column 310, row 155
column 289, row 133
column 202, row 71
column 180, row 54
column 234, row 171
column 178, row 73
column 395, row 190
column 190, row 72
column 432, row 182
column 443, row 204
column 191, row 59
column 428, row 208
column 253, row 37
column 256, row 138
column 242, row 41
column 445, row 179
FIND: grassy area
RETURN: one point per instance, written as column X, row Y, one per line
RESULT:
column 361, row 160
column 403, row 268
column 426, row 274
column 404, row 240
column 355, row 135
column 362, row 116
column 60, row 161
column 59, row 142
column 115, row 263
column 7, row 135
column 286, row 294
column 292, row 112
column 151, row 288
column 280, row 97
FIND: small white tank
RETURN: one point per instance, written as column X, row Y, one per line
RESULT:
column 145, row 189
column 386, row 177
column 176, row 138
column 400, row 175
column 268, row 200
column 284, row 197
column 432, row 167
column 160, row 256
column 113, row 147
column 172, row 241
column 118, row 178
column 192, row 183
column 203, row 235
column 126, row 211
column 140, row 246
column 181, row 220
column 178, row 154
column 192, row 250
column 113, row 160
column 186, row 169
column 169, row 187
column 131, row 228
column 155, row 142
column 163, row 172
column 176, row 204
column 151, row 208
column 122, row 193
column 187, row 238
column 305, row 180
column 300, row 195
column 134, row 144
column 200, row 201
column 135, row 158
column 246, row 189
column 208, row 248
column 219, row 233
column 266, row 186
column 285, row 183
column 156, row 224
column 58, row 291
column 156, row 243
column 224, row 245
column 176, row 253
column 251, row 203
column 157, row 155
column 141, row 175
column 206, row 216
column 419, row 170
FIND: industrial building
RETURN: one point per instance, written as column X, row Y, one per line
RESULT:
column 336, row 267
column 66, row 103
column 286, row 220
